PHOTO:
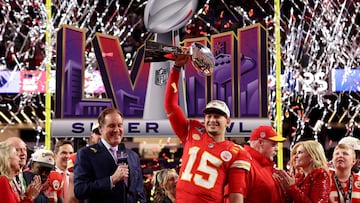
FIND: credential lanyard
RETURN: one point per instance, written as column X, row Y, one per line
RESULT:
column 347, row 197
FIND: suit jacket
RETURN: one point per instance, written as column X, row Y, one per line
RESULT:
column 136, row 181
column 92, row 170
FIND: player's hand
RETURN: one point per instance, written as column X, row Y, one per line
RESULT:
column 181, row 59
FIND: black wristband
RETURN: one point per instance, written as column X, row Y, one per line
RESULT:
column 177, row 67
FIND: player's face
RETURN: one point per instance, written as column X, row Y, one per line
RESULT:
column 44, row 172
column 216, row 124
column 343, row 159
column 112, row 131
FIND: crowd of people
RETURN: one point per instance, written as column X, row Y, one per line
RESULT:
column 213, row 169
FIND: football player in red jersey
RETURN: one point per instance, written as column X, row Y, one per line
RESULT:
column 209, row 161
column 345, row 184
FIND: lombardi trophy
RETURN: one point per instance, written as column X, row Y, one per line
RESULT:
column 164, row 18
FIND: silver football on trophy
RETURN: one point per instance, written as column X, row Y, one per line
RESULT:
column 201, row 56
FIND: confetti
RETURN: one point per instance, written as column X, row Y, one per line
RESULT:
column 316, row 38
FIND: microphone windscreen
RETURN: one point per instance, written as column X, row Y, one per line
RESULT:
column 121, row 154
column 121, row 147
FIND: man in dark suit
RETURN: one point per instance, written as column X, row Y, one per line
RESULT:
column 98, row 174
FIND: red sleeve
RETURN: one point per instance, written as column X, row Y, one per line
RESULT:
column 239, row 170
column 178, row 121
column 319, row 189
column 7, row 195
column 236, row 186
column 226, row 194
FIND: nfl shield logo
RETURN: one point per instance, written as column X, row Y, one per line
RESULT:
column 161, row 76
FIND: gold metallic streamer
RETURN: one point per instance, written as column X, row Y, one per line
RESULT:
column 279, row 113
column 48, row 57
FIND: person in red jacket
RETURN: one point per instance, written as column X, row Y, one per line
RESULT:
column 209, row 161
column 312, row 181
column 263, row 146
column 9, row 167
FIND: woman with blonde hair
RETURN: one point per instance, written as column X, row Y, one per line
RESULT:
column 311, row 182
column 9, row 167
column 164, row 185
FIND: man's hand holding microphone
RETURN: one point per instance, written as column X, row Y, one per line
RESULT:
column 122, row 171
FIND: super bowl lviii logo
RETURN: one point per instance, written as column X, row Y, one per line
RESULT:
column 239, row 78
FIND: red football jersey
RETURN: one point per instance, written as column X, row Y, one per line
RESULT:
column 207, row 166
column 355, row 193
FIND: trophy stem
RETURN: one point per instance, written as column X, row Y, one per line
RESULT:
column 154, row 104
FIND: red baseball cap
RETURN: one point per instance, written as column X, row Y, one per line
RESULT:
column 266, row 132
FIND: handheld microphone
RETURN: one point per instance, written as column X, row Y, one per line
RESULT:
column 122, row 159
column 121, row 154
